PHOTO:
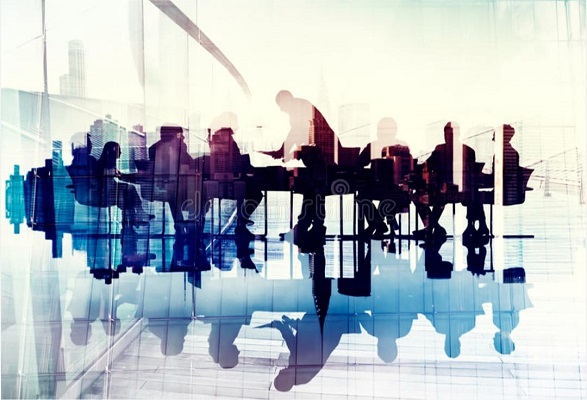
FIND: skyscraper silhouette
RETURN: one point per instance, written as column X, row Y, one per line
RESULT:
column 74, row 82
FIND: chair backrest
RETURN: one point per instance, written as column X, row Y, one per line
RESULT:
column 525, row 174
column 382, row 169
column 348, row 156
column 515, row 186
column 221, row 155
column 86, row 188
column 403, row 160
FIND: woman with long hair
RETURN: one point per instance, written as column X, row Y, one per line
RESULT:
column 116, row 192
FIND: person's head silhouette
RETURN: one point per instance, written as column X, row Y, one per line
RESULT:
column 506, row 321
column 172, row 335
column 226, row 120
column 221, row 340
column 285, row 379
column 81, row 332
column 503, row 343
column 81, row 143
column 170, row 132
column 387, row 349
column 452, row 345
column 386, row 129
column 508, row 133
column 284, row 99
column 227, row 356
column 110, row 154
column 451, row 132
column 111, row 327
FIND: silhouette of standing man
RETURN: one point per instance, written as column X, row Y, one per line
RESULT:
column 308, row 126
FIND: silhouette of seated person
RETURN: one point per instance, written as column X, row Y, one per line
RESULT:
column 96, row 183
column 173, row 174
column 383, row 175
column 386, row 136
column 311, row 182
column 452, row 175
column 83, row 170
column 229, row 165
column 513, row 178
column 115, row 192
column 307, row 126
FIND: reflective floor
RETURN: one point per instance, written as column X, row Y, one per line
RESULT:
column 358, row 320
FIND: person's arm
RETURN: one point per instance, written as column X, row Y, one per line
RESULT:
column 152, row 151
column 276, row 154
column 365, row 156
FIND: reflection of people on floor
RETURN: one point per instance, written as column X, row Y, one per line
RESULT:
column 113, row 191
column 172, row 334
column 394, row 304
column 223, row 333
column 131, row 255
column 311, row 339
column 167, row 308
column 309, row 349
column 92, row 300
column 506, row 322
column 436, row 267
column 507, row 300
column 387, row 328
column 321, row 285
column 453, row 304
column 476, row 255
column 357, row 282
column 244, row 251
column 189, row 251
column 228, row 314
